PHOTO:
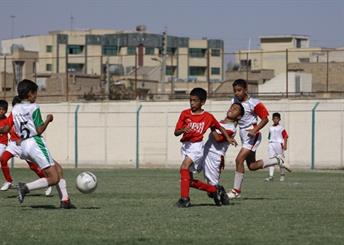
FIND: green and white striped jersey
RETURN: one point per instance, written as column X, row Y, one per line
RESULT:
column 26, row 117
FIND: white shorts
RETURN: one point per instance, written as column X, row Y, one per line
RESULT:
column 35, row 150
column 248, row 142
column 2, row 148
column 193, row 150
column 212, row 162
column 275, row 149
column 14, row 149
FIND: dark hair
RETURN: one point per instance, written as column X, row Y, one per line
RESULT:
column 276, row 114
column 26, row 86
column 4, row 104
column 200, row 93
column 242, row 109
column 16, row 100
column 241, row 83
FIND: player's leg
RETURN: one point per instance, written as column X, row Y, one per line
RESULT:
column 62, row 188
column 271, row 169
column 40, row 173
column 185, row 177
column 5, row 170
column 239, row 173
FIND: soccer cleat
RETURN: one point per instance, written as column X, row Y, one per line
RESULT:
column 183, row 203
column 282, row 163
column 22, row 191
column 233, row 194
column 217, row 196
column 223, row 195
column 282, row 178
column 6, row 186
column 270, row 178
column 67, row 204
column 48, row 191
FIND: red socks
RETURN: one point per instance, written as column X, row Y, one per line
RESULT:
column 184, row 183
column 197, row 184
column 34, row 167
column 4, row 166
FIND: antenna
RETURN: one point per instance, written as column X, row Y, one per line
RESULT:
column 12, row 25
column 71, row 21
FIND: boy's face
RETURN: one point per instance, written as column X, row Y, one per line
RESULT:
column 32, row 96
column 276, row 120
column 195, row 103
column 2, row 111
column 234, row 112
column 240, row 93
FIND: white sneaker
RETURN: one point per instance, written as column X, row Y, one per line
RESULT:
column 6, row 186
column 282, row 163
column 270, row 178
column 282, row 178
column 233, row 194
column 48, row 191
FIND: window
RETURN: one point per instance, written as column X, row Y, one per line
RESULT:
column 48, row 67
column 131, row 50
column 298, row 43
column 245, row 64
column 197, row 70
column 149, row 51
column 75, row 67
column 297, row 83
column 215, row 52
column 171, row 51
column 49, row 48
column 110, row 50
column 75, row 49
column 197, row 52
column 170, row 70
column 215, row 71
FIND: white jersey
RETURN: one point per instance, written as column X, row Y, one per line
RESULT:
column 277, row 134
column 26, row 117
column 216, row 147
column 253, row 109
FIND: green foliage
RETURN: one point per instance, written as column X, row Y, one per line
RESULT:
column 137, row 207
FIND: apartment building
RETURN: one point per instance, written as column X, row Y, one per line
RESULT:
column 100, row 52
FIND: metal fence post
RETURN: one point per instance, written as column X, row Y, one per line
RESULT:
column 138, row 136
column 313, row 135
column 76, row 147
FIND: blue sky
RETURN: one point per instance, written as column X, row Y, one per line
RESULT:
column 236, row 22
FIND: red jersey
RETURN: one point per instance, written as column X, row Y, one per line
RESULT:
column 198, row 123
column 3, row 137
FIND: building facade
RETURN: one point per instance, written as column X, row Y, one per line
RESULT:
column 98, row 52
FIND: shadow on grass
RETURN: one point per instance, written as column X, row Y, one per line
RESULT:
column 89, row 208
column 210, row 205
column 44, row 206
column 31, row 195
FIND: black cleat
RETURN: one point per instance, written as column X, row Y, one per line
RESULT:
column 183, row 203
column 216, row 196
column 22, row 191
column 67, row 204
column 223, row 195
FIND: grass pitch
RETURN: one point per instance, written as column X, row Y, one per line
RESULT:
column 137, row 207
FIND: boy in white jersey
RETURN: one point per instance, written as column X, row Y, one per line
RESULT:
column 278, row 138
column 216, row 147
column 28, row 124
column 249, row 135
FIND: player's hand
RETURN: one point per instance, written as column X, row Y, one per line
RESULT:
column 18, row 142
column 222, row 164
column 232, row 141
column 187, row 129
column 285, row 147
column 251, row 132
column 50, row 118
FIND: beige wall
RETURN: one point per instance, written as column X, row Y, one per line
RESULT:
column 107, row 132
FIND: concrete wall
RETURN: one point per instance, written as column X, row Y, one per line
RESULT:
column 107, row 133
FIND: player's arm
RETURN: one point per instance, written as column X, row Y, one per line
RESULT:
column 9, row 123
column 181, row 127
column 40, row 129
column 217, row 137
column 263, row 114
column 230, row 140
column 285, row 139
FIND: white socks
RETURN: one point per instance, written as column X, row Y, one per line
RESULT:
column 37, row 184
column 271, row 171
column 238, row 178
column 62, row 190
column 270, row 162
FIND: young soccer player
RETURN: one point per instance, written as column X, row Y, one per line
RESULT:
column 27, row 120
column 216, row 147
column 192, row 124
column 3, row 143
column 14, row 149
column 249, row 135
column 278, row 139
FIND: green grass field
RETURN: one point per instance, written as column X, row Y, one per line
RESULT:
column 137, row 207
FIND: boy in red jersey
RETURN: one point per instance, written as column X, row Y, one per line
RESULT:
column 3, row 142
column 192, row 124
column 249, row 135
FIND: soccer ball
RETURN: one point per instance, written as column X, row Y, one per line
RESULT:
column 86, row 182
